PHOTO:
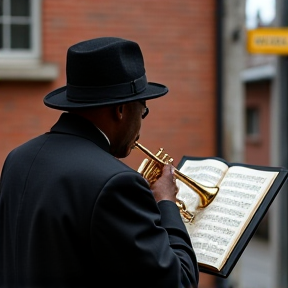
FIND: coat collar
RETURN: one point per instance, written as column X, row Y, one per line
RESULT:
column 73, row 124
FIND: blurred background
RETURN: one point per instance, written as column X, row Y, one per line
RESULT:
column 223, row 99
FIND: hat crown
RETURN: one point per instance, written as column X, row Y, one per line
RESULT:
column 104, row 61
column 103, row 71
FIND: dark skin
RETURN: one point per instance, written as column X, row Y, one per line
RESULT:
column 121, row 124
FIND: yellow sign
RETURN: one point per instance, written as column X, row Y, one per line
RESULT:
column 268, row 41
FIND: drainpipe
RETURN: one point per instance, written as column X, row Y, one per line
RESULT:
column 219, row 78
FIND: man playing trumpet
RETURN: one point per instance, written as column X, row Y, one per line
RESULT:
column 72, row 214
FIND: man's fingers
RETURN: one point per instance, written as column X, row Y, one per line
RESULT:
column 168, row 169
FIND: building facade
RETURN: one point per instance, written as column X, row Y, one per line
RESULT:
column 256, row 85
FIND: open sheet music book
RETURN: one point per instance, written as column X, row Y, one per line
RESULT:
column 220, row 232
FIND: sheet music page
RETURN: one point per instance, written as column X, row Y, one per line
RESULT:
column 208, row 172
column 217, row 228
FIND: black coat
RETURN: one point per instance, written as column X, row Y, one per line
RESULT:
column 71, row 215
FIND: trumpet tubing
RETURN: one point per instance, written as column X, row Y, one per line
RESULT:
column 151, row 170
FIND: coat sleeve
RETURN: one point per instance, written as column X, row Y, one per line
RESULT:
column 144, row 243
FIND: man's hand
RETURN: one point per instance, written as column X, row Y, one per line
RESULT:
column 165, row 187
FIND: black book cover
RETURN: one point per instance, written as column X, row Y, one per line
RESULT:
column 255, row 221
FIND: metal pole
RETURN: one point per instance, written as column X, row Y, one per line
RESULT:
column 283, row 74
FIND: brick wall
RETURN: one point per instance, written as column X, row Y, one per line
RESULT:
column 177, row 39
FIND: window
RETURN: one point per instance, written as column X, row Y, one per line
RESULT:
column 20, row 54
column 19, row 28
column 252, row 122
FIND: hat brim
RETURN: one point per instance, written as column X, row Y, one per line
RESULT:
column 57, row 99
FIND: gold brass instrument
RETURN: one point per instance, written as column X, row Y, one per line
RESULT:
column 151, row 170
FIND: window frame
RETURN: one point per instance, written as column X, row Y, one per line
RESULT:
column 35, row 22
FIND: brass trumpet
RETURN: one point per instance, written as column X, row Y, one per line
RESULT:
column 151, row 170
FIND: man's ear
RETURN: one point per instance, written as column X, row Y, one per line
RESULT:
column 119, row 112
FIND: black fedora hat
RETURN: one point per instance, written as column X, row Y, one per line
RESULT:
column 103, row 71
